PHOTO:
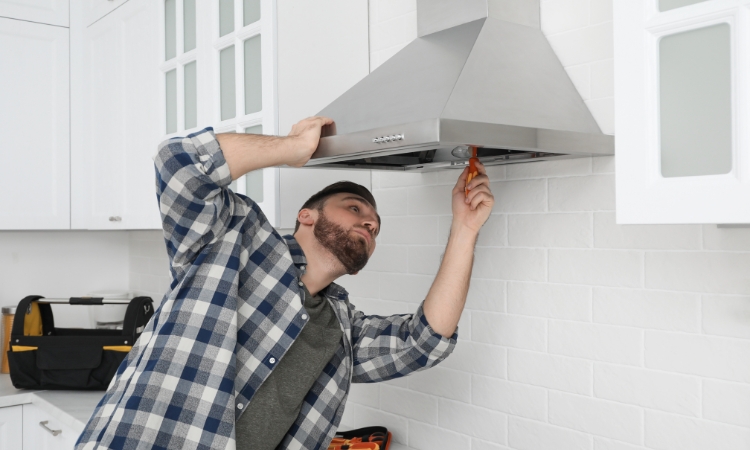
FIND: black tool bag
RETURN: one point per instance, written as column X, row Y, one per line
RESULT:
column 44, row 357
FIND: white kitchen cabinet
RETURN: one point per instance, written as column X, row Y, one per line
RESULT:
column 52, row 12
column 682, row 105
column 11, row 419
column 42, row 431
column 94, row 10
column 34, row 125
column 115, row 117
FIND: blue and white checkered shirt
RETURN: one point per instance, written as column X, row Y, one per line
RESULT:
column 232, row 311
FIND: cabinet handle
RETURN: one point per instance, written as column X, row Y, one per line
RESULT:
column 115, row 219
column 44, row 423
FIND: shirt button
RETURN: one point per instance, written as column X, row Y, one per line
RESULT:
column 240, row 406
column 304, row 316
column 301, row 283
column 272, row 360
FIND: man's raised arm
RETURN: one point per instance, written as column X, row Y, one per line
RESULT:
column 447, row 296
column 247, row 152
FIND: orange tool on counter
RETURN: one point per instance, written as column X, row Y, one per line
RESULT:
column 472, row 168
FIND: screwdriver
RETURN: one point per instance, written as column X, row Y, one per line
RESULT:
column 472, row 168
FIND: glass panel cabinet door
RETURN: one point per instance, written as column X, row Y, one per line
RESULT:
column 226, row 83
column 682, row 146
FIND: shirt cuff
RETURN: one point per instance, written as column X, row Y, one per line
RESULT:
column 434, row 344
column 211, row 156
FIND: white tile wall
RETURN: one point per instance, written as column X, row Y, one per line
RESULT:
column 583, row 334
column 578, row 333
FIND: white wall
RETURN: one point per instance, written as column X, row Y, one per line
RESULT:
column 578, row 333
column 61, row 264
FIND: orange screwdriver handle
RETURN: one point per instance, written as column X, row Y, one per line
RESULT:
column 472, row 168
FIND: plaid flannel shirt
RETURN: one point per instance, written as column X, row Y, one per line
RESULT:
column 232, row 311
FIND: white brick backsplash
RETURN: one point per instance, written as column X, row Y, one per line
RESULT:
column 506, row 396
column 583, row 45
column 563, row 15
column 603, row 110
column 598, row 342
column 551, row 371
column 474, row 421
column 550, row 230
column 520, row 195
column 608, row 444
column 358, row 416
column 726, row 402
column 616, row 268
column 729, row 239
column 413, row 405
column 425, row 259
column 474, row 357
column 382, row 179
column 591, row 193
column 530, row 435
column 600, row 417
column 521, row 264
column 726, row 315
column 367, row 394
column 581, row 77
column 545, row 169
column 408, row 287
column 556, row 301
column 408, row 230
column 364, row 284
column 510, row 331
column 486, row 295
column 710, row 272
column 670, row 311
column 648, row 388
column 603, row 164
column 672, row 432
column 706, row 356
column 607, row 234
column 476, row 444
column 427, row 437
column 430, row 200
column 442, row 382
column 602, row 79
column 391, row 202
column 389, row 258
column 494, row 233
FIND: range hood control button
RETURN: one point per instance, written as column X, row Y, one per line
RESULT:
column 383, row 139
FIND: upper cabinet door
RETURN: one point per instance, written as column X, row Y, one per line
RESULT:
column 115, row 119
column 94, row 10
column 34, row 125
column 53, row 12
column 682, row 108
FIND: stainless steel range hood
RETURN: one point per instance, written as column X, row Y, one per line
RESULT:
column 471, row 78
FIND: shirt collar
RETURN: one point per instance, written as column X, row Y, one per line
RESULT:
column 298, row 257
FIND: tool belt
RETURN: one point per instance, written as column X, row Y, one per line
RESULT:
column 42, row 356
column 368, row 438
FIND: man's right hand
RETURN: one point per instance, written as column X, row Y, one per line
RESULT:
column 304, row 138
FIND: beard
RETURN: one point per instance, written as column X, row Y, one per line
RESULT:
column 350, row 251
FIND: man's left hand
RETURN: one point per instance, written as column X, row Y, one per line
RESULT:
column 472, row 210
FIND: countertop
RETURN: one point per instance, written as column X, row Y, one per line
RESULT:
column 72, row 408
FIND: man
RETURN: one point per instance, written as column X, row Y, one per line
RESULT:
column 254, row 345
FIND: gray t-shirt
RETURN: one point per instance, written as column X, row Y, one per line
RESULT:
column 278, row 401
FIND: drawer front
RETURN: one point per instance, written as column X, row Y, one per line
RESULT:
column 41, row 431
column 10, row 427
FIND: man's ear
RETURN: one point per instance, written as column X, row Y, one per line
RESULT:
column 307, row 216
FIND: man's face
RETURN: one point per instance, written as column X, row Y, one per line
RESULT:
column 347, row 226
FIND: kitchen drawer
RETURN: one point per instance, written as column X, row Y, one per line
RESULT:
column 41, row 431
column 11, row 418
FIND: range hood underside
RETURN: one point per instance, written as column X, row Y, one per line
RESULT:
column 427, row 145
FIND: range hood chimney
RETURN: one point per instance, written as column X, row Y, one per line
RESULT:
column 478, row 74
